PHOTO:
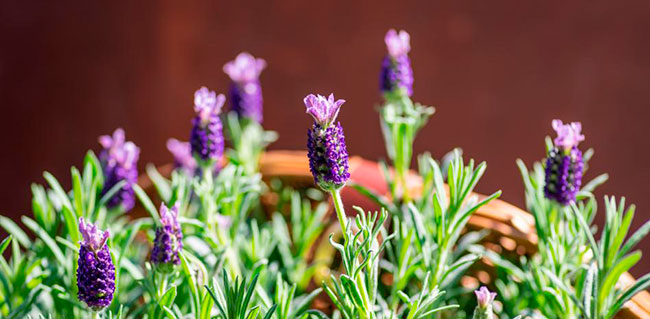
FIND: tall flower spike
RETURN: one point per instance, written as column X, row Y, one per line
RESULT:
column 484, row 299
column 168, row 242
column 206, row 137
column 119, row 160
column 246, row 90
column 182, row 152
column 396, row 72
column 328, row 155
column 95, row 271
column 564, row 164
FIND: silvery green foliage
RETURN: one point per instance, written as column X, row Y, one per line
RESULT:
column 355, row 292
column 290, row 305
column 307, row 225
column 428, row 238
column 401, row 120
column 234, row 300
column 427, row 227
column 438, row 228
column 594, row 290
column 249, row 140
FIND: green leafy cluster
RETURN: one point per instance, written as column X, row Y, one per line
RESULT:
column 571, row 275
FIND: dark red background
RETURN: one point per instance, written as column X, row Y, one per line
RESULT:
column 497, row 71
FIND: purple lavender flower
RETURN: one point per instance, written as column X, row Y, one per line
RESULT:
column 396, row 72
column 328, row 156
column 564, row 164
column 119, row 161
column 484, row 298
column 182, row 152
column 168, row 242
column 95, row 271
column 245, row 90
column 206, row 137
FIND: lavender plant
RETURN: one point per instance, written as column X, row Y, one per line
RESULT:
column 438, row 229
column 219, row 219
column 558, row 282
column 248, row 137
column 427, row 226
column 401, row 119
column 326, row 149
column 206, row 137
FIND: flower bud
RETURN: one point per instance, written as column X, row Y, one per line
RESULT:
column 484, row 299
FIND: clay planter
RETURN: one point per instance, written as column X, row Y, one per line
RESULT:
column 512, row 230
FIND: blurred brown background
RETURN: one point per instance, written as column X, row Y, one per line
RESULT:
column 497, row 71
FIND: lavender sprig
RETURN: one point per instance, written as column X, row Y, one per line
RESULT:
column 396, row 75
column 564, row 164
column 206, row 137
column 95, row 272
column 119, row 160
column 326, row 150
column 165, row 255
column 246, row 90
column 401, row 119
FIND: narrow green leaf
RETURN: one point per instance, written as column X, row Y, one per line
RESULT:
column 45, row 237
column 161, row 183
column 56, row 187
column 641, row 284
column 615, row 274
column 146, row 202
column 110, row 193
column 13, row 229
column 71, row 224
column 641, row 233
column 77, row 189
column 5, row 243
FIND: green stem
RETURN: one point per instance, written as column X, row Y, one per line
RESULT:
column 340, row 211
column 95, row 315
column 162, row 284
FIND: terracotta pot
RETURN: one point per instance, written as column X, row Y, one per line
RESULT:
column 511, row 229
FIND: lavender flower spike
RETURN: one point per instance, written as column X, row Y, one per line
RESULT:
column 182, row 152
column 564, row 164
column 328, row 156
column 246, row 90
column 119, row 161
column 95, row 271
column 396, row 72
column 168, row 243
column 484, row 298
column 206, row 137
